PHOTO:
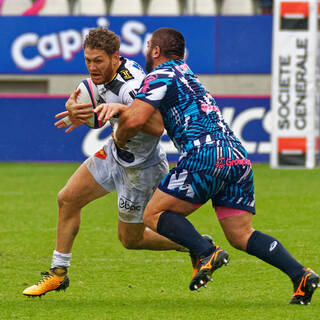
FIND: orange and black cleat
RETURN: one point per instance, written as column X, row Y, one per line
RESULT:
column 207, row 266
column 305, row 287
column 195, row 260
column 56, row 279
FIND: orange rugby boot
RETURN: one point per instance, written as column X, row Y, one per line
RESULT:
column 207, row 266
column 305, row 287
column 56, row 279
column 194, row 259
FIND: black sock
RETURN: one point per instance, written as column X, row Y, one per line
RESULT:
column 271, row 251
column 177, row 228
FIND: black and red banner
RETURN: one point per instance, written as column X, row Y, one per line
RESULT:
column 294, row 15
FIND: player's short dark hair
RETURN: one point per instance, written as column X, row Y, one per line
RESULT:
column 170, row 41
column 102, row 39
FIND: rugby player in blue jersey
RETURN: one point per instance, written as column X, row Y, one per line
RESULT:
column 213, row 164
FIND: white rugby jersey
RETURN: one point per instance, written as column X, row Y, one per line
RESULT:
column 144, row 150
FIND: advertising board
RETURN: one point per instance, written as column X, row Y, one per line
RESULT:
column 216, row 44
column 28, row 133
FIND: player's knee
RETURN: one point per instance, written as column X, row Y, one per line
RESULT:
column 61, row 198
column 235, row 243
column 238, row 240
column 65, row 197
column 151, row 218
column 130, row 244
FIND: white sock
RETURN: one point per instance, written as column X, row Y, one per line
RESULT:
column 60, row 259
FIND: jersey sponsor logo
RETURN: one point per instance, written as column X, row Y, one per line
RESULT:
column 223, row 161
column 127, row 204
column 126, row 74
column 101, row 154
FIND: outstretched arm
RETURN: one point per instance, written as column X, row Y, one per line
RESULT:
column 153, row 125
column 132, row 121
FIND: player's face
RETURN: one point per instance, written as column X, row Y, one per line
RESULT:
column 100, row 65
column 149, row 59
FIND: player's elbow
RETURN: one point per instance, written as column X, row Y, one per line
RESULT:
column 158, row 132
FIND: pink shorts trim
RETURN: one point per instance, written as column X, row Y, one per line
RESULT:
column 225, row 212
column 197, row 205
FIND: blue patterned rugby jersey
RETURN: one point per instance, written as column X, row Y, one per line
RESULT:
column 190, row 114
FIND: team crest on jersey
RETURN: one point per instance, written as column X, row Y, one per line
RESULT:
column 146, row 81
column 101, row 154
column 126, row 74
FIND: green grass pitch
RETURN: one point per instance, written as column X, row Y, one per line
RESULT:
column 110, row 282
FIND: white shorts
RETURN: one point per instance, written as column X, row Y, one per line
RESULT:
column 134, row 186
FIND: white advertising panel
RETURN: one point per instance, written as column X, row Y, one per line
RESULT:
column 294, row 84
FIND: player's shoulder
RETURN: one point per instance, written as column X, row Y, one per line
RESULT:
column 130, row 70
column 159, row 76
column 162, row 71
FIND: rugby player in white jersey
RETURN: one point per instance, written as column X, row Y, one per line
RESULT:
column 135, row 172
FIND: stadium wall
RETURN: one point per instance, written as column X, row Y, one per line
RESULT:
column 28, row 134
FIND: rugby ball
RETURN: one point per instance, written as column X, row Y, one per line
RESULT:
column 89, row 94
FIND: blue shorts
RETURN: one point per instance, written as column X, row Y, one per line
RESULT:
column 227, row 179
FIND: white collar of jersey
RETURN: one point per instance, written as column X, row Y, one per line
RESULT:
column 101, row 89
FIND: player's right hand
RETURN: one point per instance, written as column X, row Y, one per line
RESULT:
column 79, row 111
